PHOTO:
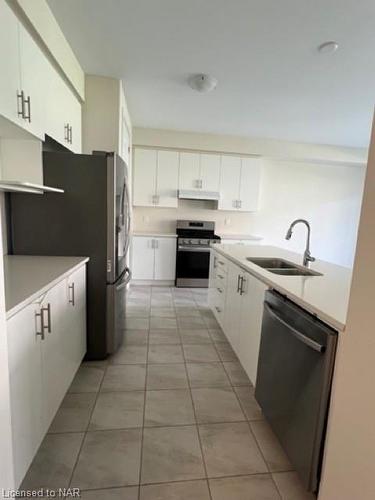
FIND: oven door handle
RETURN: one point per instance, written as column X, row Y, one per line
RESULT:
column 192, row 249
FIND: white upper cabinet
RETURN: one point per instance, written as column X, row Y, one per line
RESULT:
column 229, row 184
column 167, row 178
column 10, row 81
column 145, row 164
column 155, row 178
column 35, row 80
column 189, row 171
column 33, row 94
column 250, row 184
column 199, row 172
column 210, row 172
column 239, row 184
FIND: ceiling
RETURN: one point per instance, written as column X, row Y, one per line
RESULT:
column 272, row 80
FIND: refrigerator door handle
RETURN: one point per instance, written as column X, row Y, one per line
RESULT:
column 126, row 280
column 300, row 336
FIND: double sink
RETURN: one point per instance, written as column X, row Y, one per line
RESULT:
column 281, row 266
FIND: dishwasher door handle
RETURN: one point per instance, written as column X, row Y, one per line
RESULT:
column 300, row 336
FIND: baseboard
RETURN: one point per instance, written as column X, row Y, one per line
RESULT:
column 153, row 282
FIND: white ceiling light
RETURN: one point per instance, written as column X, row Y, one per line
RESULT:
column 202, row 82
column 328, row 47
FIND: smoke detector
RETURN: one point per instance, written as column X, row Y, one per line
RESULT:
column 202, row 83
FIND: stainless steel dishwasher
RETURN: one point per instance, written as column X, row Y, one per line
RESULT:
column 296, row 359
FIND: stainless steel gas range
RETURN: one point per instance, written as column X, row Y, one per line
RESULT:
column 194, row 240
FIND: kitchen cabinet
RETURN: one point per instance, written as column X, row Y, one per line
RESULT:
column 46, row 343
column 155, row 178
column 165, row 259
column 33, row 95
column 199, row 171
column 10, row 79
column 241, row 310
column 26, row 386
column 251, row 315
column 154, row 258
column 239, row 183
column 233, row 302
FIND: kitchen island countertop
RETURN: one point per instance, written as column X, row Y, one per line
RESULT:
column 325, row 296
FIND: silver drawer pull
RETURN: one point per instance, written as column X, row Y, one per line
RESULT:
column 218, row 309
column 219, row 290
column 221, row 262
column 220, row 276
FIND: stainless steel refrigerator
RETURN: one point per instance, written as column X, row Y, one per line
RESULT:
column 92, row 218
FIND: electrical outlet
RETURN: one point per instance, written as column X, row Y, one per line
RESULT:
column 227, row 221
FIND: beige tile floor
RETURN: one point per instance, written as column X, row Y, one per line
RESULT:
column 171, row 416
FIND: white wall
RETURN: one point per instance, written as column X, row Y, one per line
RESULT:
column 324, row 186
column 329, row 197
column 349, row 462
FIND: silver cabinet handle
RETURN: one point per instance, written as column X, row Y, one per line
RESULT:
column 221, row 262
column 47, row 309
column 21, row 104
column 41, row 331
column 28, row 115
column 220, row 276
column 72, row 295
column 219, row 290
column 71, row 134
column 156, row 243
column 299, row 335
column 218, row 309
column 239, row 203
column 238, row 283
column 242, row 291
column 66, row 132
column 215, row 263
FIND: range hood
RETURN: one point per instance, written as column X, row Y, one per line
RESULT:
column 187, row 194
column 27, row 187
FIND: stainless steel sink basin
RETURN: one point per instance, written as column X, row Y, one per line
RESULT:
column 294, row 272
column 270, row 263
column 281, row 266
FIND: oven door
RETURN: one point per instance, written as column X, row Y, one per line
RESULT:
column 192, row 266
column 116, row 311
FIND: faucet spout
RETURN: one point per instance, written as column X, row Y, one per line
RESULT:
column 307, row 257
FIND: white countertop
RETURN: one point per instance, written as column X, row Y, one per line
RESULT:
column 326, row 296
column 27, row 277
column 155, row 235
column 247, row 237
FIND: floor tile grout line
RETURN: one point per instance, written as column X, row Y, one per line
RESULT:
column 197, row 427
column 143, row 419
column 86, row 431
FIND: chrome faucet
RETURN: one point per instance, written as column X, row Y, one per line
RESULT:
column 307, row 257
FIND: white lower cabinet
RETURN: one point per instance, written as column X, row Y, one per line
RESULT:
column 251, row 315
column 46, row 344
column 153, row 258
column 241, row 310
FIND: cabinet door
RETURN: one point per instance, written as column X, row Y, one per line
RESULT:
column 55, row 369
column 10, row 83
column 232, row 306
column 74, row 120
column 250, row 184
column 143, row 255
column 36, row 72
column 145, row 167
column 229, row 182
column 167, row 178
column 251, row 324
column 26, row 391
column 165, row 259
column 210, row 172
column 75, row 336
column 189, row 171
